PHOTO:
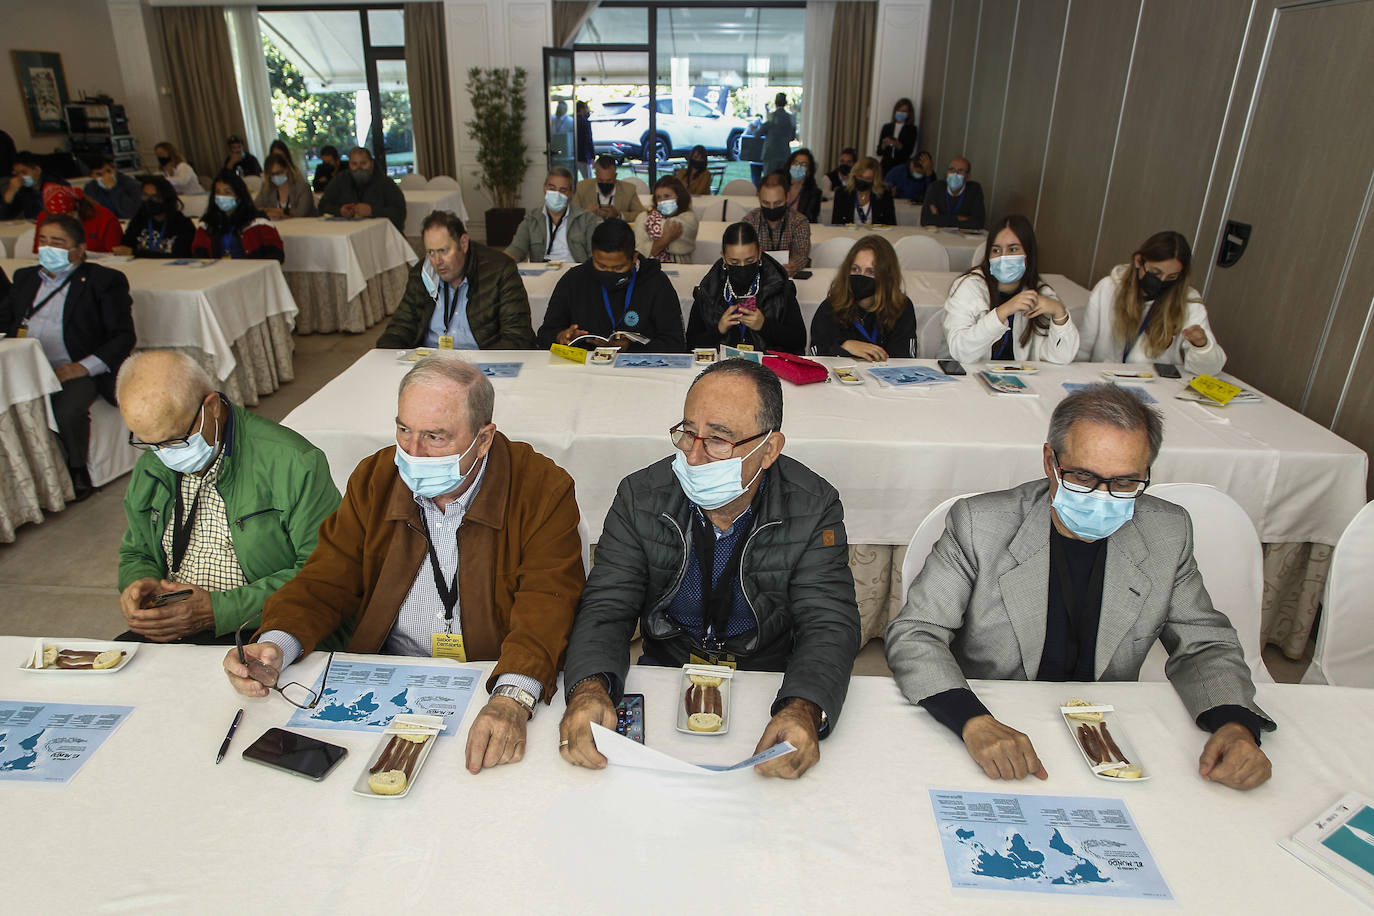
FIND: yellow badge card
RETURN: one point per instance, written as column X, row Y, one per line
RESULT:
column 449, row 645
column 446, row 342
column 1214, row 388
column 748, row 348
column 726, row 660
column 576, row 354
column 22, row 332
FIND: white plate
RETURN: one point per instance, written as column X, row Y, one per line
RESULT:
column 81, row 645
column 1128, row 375
column 1110, row 720
column 725, row 674
column 362, row 788
column 1012, row 368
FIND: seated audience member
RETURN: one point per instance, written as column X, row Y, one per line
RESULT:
column 159, row 229
column 23, row 195
column 177, row 170
column 117, row 192
column 867, row 313
column 614, row 292
column 864, row 199
column 1001, row 309
column 669, row 231
column 239, row 161
column 455, row 543
column 461, row 295
column 803, row 194
column 559, row 230
column 232, row 227
column 608, row 197
column 1074, row 578
column 897, row 139
column 780, row 228
column 365, row 194
column 103, row 231
column 955, row 202
column 695, row 176
column 222, row 502
column 279, row 148
column 909, row 180
column 839, row 175
column 284, row 193
column 327, row 169
column 746, row 298
column 83, row 316
column 729, row 552
column 1145, row 312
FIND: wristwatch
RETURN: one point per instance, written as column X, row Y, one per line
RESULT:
column 519, row 695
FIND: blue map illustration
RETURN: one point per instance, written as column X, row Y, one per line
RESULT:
column 21, row 755
column 365, row 696
column 49, row 742
column 1019, row 861
column 653, row 361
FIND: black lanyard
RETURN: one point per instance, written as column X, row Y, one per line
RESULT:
column 450, row 307
column 553, row 231
column 1060, row 564
column 773, row 243
column 448, row 592
column 717, row 595
column 46, row 299
column 181, row 530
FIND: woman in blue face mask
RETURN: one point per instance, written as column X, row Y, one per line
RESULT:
column 284, row 192
column 1002, row 310
column 897, row 140
column 669, row 231
column 804, row 195
column 232, row 227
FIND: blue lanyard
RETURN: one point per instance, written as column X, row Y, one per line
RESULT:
column 157, row 242
column 871, row 338
column 952, row 209
column 227, row 244
column 1144, row 324
column 606, row 299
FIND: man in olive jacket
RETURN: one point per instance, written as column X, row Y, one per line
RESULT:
column 484, row 303
column 223, row 502
column 780, row 596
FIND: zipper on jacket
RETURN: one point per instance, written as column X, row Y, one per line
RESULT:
column 244, row 518
column 677, row 582
column 744, row 591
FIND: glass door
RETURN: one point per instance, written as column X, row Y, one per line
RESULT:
column 560, row 115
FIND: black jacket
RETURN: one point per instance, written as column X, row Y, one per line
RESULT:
column 827, row 335
column 783, row 328
column 323, row 173
column 98, row 319
column 884, row 210
column 794, row 572
column 28, row 202
column 906, row 136
column 172, row 239
column 248, row 165
column 809, row 201
column 577, row 300
column 966, row 209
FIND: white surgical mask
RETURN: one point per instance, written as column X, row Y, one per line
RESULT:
column 667, row 207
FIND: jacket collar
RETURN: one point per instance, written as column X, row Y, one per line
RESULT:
column 489, row 508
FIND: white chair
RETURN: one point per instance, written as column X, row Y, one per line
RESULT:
column 741, row 187
column 977, row 253
column 23, row 246
column 109, row 454
column 412, row 181
column 831, row 252
column 930, row 337
column 921, row 252
column 1227, row 549
column 639, row 184
column 254, row 183
column 735, row 210
column 923, row 541
column 442, row 183
column 1345, row 639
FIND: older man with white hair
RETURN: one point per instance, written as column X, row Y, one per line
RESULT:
column 223, row 504
column 388, row 562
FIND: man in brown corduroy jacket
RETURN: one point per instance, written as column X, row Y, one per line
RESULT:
column 386, row 568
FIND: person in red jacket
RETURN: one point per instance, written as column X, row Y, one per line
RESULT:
column 232, row 227
column 103, row 231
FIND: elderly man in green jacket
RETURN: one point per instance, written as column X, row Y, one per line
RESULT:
column 461, row 296
column 223, row 504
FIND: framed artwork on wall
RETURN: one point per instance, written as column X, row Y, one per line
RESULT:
column 44, row 88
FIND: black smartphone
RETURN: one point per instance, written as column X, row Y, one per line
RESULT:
column 299, row 754
column 167, row 598
column 802, row 275
column 629, row 716
column 1167, row 370
column 951, row 367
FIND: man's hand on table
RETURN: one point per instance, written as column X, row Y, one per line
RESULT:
column 797, row 722
column 589, row 703
column 172, row 621
column 1232, row 758
column 348, row 210
column 264, row 652
column 362, row 211
column 497, row 735
column 1002, row 752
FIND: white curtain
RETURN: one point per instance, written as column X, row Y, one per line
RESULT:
column 820, row 20
column 259, row 125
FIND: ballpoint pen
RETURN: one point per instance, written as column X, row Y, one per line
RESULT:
column 233, row 726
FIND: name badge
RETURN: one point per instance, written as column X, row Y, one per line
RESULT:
column 446, row 342
column 711, row 658
column 448, row 645
column 748, row 348
column 22, row 332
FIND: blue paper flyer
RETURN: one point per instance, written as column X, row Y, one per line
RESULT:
column 363, row 696
column 1075, row 387
column 909, row 376
column 49, row 742
column 1045, row 844
column 500, row 370
column 653, row 361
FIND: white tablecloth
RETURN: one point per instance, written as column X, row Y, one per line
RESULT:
column 33, row 475
column 420, row 204
column 958, row 246
column 855, row 834
column 358, row 249
column 24, row 373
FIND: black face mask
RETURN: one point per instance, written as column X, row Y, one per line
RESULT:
column 1153, row 286
column 605, row 187
column 163, row 160
column 773, row 214
column 154, row 206
column 844, row 168
column 613, row 280
column 741, row 277
column 862, row 184
column 861, row 287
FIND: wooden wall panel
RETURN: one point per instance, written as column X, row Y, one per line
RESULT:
column 988, row 92
column 931, row 102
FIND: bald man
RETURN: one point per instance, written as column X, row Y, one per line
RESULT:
column 223, row 504
column 956, row 202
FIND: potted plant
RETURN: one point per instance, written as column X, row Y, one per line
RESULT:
column 498, row 127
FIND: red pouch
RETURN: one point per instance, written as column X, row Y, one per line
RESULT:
column 795, row 369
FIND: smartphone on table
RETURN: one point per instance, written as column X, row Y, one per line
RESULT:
column 295, row 753
column 629, row 717
column 951, row 367
column 1167, row 370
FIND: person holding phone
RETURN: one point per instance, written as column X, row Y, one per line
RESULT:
column 223, row 505
column 746, row 298
column 897, row 139
column 867, row 313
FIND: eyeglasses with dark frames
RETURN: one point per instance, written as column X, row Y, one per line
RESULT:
column 715, row 446
column 1081, row 481
column 179, row 442
column 295, row 693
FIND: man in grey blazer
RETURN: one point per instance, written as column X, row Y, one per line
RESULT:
column 1073, row 578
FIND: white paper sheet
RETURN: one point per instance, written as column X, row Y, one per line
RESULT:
column 621, row 751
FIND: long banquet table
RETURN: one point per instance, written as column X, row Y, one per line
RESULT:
column 345, row 275
column 151, row 824
column 894, row 455
column 33, row 474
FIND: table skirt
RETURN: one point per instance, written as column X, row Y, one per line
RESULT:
column 262, row 361
column 320, row 297
column 33, row 475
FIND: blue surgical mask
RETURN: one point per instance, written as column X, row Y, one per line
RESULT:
column 954, row 181
column 1091, row 516
column 279, row 179
column 55, row 260
column 27, row 180
column 431, row 477
column 430, row 277
column 667, row 207
column 555, row 201
column 227, row 204
column 715, row 483
column 798, row 172
column 1009, row 268
column 899, row 116
column 195, row 456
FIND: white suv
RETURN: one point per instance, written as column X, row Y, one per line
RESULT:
column 621, row 129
